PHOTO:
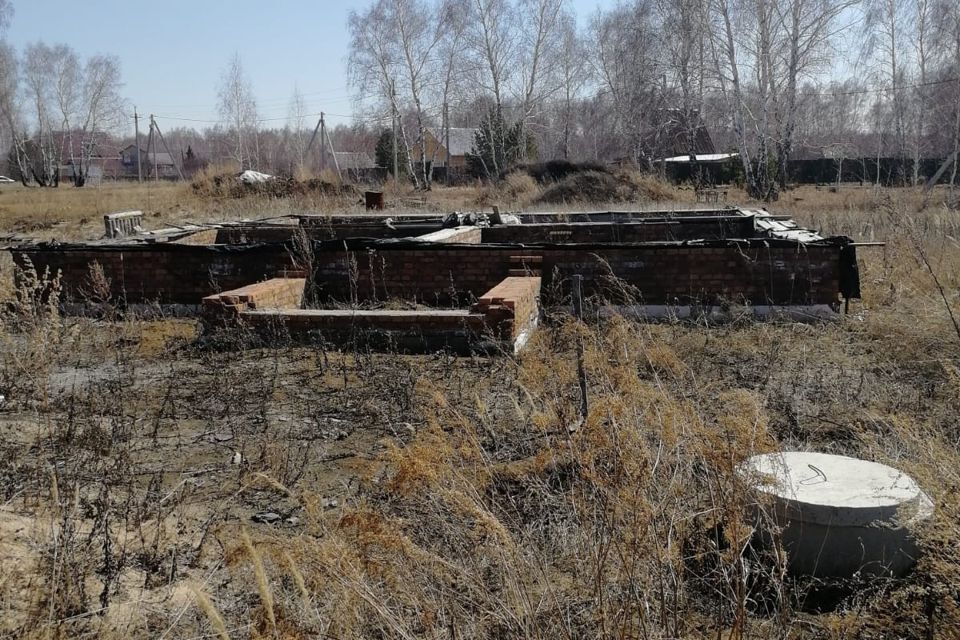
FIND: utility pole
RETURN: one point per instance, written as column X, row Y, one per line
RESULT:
column 333, row 152
column 323, row 143
column 152, row 145
column 393, row 113
column 165, row 146
column 310, row 144
column 136, row 131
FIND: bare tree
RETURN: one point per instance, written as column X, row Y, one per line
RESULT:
column 948, row 36
column 539, row 56
column 238, row 109
column 492, row 41
column 808, row 27
column 420, row 31
column 45, row 71
column 100, row 110
column 726, row 56
column 684, row 22
column 10, row 123
column 624, row 56
column 886, row 21
column 574, row 75
column 374, row 63
column 6, row 15
column 297, row 123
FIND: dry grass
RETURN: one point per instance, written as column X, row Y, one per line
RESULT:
column 435, row 496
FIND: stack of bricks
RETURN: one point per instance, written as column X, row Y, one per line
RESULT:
column 276, row 293
column 510, row 307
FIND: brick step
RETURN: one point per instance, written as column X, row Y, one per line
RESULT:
column 526, row 259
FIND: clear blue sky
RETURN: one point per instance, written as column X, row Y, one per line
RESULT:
column 173, row 52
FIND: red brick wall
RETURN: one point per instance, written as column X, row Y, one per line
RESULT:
column 167, row 273
column 455, row 275
column 437, row 275
column 665, row 274
column 800, row 274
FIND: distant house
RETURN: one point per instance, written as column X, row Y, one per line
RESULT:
column 461, row 146
column 83, row 152
column 354, row 160
column 357, row 166
column 152, row 163
column 98, row 169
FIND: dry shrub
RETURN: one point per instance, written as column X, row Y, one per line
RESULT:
column 654, row 188
column 516, row 188
column 520, row 186
column 603, row 187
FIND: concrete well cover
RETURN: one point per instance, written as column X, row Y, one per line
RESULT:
column 837, row 490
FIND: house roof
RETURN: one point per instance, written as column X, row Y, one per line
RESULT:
column 157, row 157
column 703, row 157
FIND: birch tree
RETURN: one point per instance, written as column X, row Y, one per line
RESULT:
column 420, row 31
column 99, row 111
column 685, row 22
column 10, row 123
column 492, row 42
column 374, row 64
column 625, row 44
column 922, row 44
column 808, row 27
column 726, row 59
column 238, row 109
column 948, row 38
column 296, row 123
column 574, row 75
column 539, row 56
column 886, row 21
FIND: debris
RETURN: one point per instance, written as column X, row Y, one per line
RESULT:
column 266, row 517
column 237, row 458
column 254, row 177
column 458, row 219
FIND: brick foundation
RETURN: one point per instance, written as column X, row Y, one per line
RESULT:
column 500, row 320
column 647, row 258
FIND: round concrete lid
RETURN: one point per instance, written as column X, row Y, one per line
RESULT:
column 837, row 490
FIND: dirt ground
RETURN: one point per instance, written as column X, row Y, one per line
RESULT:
column 156, row 487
